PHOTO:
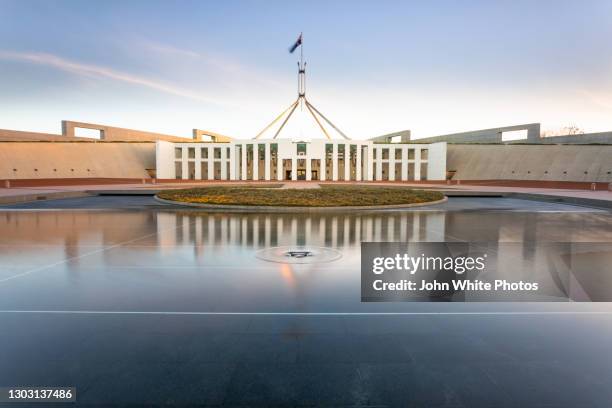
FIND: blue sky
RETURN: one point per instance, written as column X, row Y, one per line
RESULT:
column 373, row 67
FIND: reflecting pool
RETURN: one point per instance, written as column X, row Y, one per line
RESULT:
column 152, row 304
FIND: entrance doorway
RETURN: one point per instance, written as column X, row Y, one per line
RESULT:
column 301, row 174
column 315, row 174
column 287, row 174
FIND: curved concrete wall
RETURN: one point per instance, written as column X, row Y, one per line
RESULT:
column 530, row 162
column 40, row 160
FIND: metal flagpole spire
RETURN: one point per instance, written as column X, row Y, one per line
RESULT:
column 301, row 101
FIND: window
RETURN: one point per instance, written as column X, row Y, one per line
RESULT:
column 514, row 135
column 178, row 153
column 205, row 152
column 301, row 149
column 398, row 154
column 191, row 152
column 424, row 154
column 385, row 154
column 217, row 152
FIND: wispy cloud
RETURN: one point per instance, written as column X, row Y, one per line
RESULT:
column 97, row 71
column 219, row 63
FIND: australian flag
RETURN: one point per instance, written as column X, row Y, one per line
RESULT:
column 298, row 42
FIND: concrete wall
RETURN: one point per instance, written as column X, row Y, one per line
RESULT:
column 39, row 160
column 115, row 134
column 7, row 135
column 586, row 138
column 530, row 162
column 436, row 163
column 492, row 135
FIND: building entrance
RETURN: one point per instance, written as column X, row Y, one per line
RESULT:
column 301, row 174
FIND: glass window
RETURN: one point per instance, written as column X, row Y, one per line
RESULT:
column 205, row 152
column 424, row 154
column 178, row 153
column 217, row 152
column 385, row 154
column 410, row 154
column 398, row 154
column 301, row 148
column 273, row 149
column 191, row 151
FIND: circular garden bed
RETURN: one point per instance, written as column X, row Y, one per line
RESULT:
column 324, row 197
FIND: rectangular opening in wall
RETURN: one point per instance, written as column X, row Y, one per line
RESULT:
column 273, row 161
column 287, row 169
column 217, row 152
column 261, row 161
column 191, row 152
column 191, row 170
column 424, row 154
column 396, row 139
column 89, row 133
column 398, row 170
column 398, row 154
column 178, row 170
column 410, row 171
column 514, row 135
column 385, row 171
column 204, row 170
column 424, row 171
column 204, row 153
column 178, row 153
column 249, row 153
column 315, row 169
column 217, row 170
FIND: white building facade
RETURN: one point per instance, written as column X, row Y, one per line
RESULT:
column 316, row 159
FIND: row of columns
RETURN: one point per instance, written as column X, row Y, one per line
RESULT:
column 368, row 162
column 210, row 161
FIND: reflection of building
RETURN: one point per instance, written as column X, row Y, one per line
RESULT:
column 269, row 230
column 316, row 159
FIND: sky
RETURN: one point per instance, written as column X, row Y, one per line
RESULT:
column 373, row 67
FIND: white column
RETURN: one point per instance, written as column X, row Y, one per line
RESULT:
column 378, row 163
column 198, row 165
column 322, row 166
column 404, row 163
column 223, row 163
column 211, row 163
column 347, row 162
column 243, row 165
column 279, row 167
column 370, row 162
column 267, row 161
column 255, row 161
column 417, row 163
column 184, row 164
column 308, row 168
column 232, row 159
column 335, row 162
column 293, row 168
column 358, row 165
column 391, row 163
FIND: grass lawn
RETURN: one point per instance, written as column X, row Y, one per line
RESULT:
column 326, row 196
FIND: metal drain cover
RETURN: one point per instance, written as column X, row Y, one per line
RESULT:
column 298, row 254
